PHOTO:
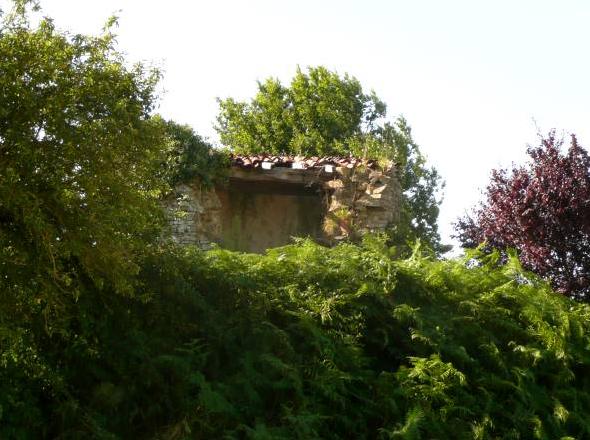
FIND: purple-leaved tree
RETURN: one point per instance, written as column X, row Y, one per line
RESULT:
column 542, row 210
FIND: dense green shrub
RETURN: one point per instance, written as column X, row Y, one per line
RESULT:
column 191, row 156
column 309, row 342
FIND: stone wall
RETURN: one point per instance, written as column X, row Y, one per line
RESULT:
column 194, row 215
column 354, row 200
column 362, row 200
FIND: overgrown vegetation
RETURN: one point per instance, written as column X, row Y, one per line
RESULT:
column 107, row 332
column 78, row 155
column 191, row 156
column 324, row 114
column 307, row 342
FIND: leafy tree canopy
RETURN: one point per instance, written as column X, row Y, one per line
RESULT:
column 316, row 115
column 190, row 156
column 542, row 210
column 322, row 113
column 78, row 154
column 79, row 184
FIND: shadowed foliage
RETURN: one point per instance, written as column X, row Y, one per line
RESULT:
column 309, row 342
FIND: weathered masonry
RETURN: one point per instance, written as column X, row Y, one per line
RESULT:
column 267, row 200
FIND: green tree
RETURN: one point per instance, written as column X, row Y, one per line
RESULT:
column 79, row 182
column 322, row 113
column 421, row 186
column 314, row 116
column 191, row 156
column 79, row 151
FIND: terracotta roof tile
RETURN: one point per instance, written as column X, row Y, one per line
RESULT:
column 255, row 161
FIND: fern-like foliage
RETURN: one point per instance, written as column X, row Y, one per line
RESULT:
column 305, row 342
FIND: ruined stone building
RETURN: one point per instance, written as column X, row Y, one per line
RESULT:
column 267, row 200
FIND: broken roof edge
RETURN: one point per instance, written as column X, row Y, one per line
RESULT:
column 268, row 161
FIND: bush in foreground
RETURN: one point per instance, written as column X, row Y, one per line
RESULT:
column 309, row 342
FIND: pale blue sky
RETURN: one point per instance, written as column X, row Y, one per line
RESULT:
column 471, row 77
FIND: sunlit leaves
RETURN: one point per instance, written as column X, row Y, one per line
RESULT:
column 315, row 115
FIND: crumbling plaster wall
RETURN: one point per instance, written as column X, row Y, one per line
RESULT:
column 357, row 199
column 258, row 215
